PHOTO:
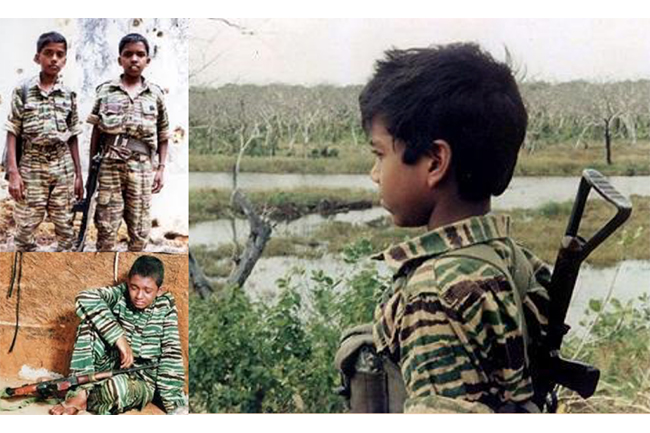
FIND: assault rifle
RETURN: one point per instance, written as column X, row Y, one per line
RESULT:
column 53, row 388
column 87, row 205
column 548, row 368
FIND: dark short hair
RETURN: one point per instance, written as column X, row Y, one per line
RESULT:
column 50, row 38
column 457, row 93
column 133, row 38
column 148, row 266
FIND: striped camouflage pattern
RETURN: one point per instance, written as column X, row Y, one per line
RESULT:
column 124, row 191
column 144, row 117
column 152, row 333
column 48, row 175
column 45, row 119
column 452, row 323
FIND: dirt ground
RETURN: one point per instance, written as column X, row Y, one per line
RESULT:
column 161, row 239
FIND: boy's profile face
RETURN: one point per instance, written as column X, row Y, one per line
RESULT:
column 134, row 59
column 52, row 58
column 143, row 291
column 403, row 188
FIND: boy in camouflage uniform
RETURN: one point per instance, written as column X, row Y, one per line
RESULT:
column 130, row 124
column 446, row 124
column 44, row 114
column 130, row 325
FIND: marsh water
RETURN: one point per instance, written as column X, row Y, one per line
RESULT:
column 523, row 192
column 627, row 280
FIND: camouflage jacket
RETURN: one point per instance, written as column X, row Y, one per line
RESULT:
column 452, row 323
column 152, row 334
column 44, row 119
column 144, row 117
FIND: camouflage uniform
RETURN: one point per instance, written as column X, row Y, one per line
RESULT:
column 46, row 121
column 453, row 323
column 126, row 178
column 106, row 315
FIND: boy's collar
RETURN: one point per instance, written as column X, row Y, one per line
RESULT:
column 118, row 83
column 35, row 81
column 470, row 231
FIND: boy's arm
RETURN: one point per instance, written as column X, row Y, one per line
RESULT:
column 162, row 128
column 14, row 126
column 16, row 184
column 171, row 372
column 95, row 305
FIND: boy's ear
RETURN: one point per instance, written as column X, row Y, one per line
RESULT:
column 36, row 58
column 161, row 290
column 439, row 162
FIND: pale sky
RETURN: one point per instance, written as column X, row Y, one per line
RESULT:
column 342, row 51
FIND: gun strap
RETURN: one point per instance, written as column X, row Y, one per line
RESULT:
column 519, row 276
column 16, row 275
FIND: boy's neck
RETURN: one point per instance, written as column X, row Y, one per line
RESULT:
column 452, row 211
column 131, row 81
column 47, row 81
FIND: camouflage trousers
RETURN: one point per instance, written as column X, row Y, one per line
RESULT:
column 109, row 396
column 48, row 176
column 124, row 192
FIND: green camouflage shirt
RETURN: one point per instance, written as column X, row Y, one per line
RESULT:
column 452, row 323
column 44, row 119
column 152, row 334
column 143, row 117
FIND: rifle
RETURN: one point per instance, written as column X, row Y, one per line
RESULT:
column 549, row 369
column 24, row 89
column 52, row 388
column 87, row 205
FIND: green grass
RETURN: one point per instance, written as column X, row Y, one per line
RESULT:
column 553, row 160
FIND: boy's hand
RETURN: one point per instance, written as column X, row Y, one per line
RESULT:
column 16, row 186
column 158, row 182
column 78, row 188
column 126, row 354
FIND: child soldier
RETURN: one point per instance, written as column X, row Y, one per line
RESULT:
column 446, row 124
column 48, row 176
column 129, row 325
column 130, row 124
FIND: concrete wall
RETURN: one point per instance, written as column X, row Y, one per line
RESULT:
column 92, row 60
column 49, row 284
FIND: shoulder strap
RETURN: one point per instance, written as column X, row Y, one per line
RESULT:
column 24, row 90
column 519, row 275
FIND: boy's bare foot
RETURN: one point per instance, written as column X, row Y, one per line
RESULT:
column 71, row 406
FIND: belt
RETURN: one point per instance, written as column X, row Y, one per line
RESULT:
column 116, row 143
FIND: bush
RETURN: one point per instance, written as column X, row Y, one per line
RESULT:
column 248, row 356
